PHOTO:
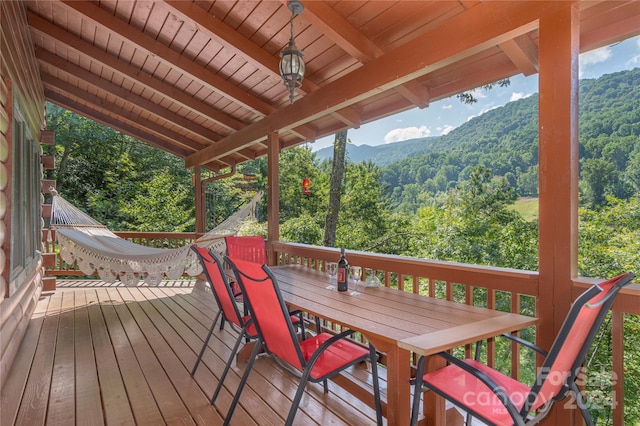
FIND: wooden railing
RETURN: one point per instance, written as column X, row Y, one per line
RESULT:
column 149, row 239
column 496, row 288
column 627, row 303
column 462, row 282
column 511, row 290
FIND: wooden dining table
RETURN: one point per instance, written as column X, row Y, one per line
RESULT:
column 386, row 317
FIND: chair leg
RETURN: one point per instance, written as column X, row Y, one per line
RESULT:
column 417, row 390
column 243, row 381
column 227, row 366
column 376, row 384
column 296, row 400
column 206, row 343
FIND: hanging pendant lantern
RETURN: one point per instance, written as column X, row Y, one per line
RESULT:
column 306, row 186
column 291, row 59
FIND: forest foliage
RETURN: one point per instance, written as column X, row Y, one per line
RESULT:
column 452, row 203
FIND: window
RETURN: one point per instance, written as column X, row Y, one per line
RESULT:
column 26, row 227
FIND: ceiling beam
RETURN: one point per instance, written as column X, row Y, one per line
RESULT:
column 99, row 117
column 124, row 128
column 352, row 41
column 231, row 39
column 487, row 25
column 142, row 41
column 523, row 53
column 128, row 72
column 126, row 96
column 136, row 119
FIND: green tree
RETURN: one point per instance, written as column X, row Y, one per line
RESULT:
column 598, row 177
column 161, row 205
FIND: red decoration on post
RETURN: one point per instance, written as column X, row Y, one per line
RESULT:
column 306, row 186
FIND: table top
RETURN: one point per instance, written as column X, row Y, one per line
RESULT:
column 413, row 322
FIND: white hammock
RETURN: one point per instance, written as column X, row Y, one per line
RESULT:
column 96, row 249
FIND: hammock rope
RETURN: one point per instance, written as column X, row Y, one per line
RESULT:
column 97, row 250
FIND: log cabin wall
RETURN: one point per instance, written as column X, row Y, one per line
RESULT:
column 22, row 106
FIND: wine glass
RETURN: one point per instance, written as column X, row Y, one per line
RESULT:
column 332, row 270
column 355, row 272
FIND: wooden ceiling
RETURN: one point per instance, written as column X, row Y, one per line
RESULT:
column 200, row 79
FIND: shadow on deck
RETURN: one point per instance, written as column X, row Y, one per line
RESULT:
column 96, row 353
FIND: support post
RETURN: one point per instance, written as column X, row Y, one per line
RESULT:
column 559, row 48
column 273, row 194
column 200, row 208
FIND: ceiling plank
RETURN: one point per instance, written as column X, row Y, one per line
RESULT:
column 99, row 103
column 340, row 31
column 612, row 26
column 136, row 133
column 174, row 59
column 99, row 117
column 352, row 41
column 487, row 25
column 104, row 59
column 232, row 39
column 125, row 95
column 242, row 46
column 523, row 53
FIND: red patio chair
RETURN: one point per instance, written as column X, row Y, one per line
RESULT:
column 228, row 309
column 249, row 248
column 317, row 358
column 497, row 399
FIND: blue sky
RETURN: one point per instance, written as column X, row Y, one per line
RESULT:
column 445, row 115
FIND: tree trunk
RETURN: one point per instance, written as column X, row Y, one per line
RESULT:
column 337, row 172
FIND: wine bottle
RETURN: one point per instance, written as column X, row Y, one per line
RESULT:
column 342, row 272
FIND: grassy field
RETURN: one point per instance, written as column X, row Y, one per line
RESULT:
column 527, row 207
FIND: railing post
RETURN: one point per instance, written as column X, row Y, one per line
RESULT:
column 617, row 358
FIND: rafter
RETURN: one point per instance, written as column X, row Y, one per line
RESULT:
column 123, row 69
column 487, row 25
column 352, row 41
column 125, row 95
column 169, row 56
column 136, row 119
column 232, row 39
column 523, row 53
column 99, row 117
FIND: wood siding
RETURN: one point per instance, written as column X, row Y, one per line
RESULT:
column 19, row 85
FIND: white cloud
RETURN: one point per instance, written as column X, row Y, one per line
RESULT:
column 519, row 95
column 595, row 56
column 478, row 93
column 447, row 106
column 446, row 129
column 403, row 134
column 483, row 110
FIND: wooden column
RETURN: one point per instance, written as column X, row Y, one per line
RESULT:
column 200, row 207
column 273, row 194
column 558, row 174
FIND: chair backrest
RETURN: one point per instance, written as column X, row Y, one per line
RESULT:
column 569, row 349
column 212, row 268
column 249, row 248
column 268, row 310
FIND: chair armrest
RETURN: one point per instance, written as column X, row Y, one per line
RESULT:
column 525, row 343
column 326, row 344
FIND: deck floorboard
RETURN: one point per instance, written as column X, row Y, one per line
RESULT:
column 100, row 354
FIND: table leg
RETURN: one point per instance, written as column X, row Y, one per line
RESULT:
column 398, row 387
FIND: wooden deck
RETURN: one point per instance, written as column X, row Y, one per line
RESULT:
column 97, row 354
